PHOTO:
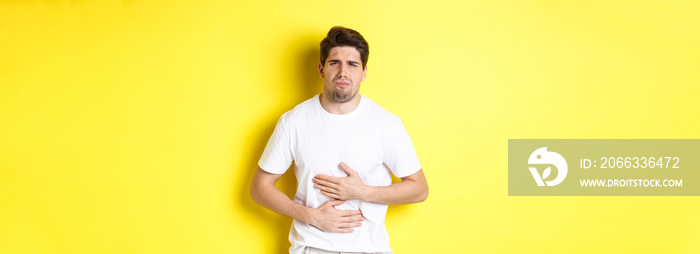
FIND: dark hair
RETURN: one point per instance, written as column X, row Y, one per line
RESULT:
column 340, row 36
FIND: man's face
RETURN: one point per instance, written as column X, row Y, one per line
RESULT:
column 342, row 74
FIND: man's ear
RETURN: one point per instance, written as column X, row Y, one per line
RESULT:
column 320, row 70
column 364, row 73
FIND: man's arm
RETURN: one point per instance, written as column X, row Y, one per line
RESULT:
column 325, row 217
column 411, row 189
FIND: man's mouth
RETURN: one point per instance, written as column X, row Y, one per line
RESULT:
column 342, row 84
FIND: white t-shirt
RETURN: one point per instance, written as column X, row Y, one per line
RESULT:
column 370, row 140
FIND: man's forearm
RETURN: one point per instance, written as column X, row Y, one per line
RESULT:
column 411, row 189
column 274, row 199
column 407, row 191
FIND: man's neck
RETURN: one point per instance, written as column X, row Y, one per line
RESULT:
column 339, row 108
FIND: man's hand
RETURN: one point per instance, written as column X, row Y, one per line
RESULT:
column 343, row 188
column 329, row 219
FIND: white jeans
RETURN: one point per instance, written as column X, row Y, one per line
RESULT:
column 312, row 250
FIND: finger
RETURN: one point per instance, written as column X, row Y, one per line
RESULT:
column 346, row 213
column 347, row 169
column 326, row 183
column 327, row 178
column 343, row 230
column 331, row 195
column 324, row 188
column 352, row 219
column 350, row 225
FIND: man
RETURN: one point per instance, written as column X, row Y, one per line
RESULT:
column 345, row 148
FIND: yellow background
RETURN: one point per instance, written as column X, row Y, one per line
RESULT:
column 135, row 126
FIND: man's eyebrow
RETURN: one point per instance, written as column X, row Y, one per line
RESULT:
column 338, row 61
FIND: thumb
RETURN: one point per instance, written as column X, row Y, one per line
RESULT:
column 347, row 169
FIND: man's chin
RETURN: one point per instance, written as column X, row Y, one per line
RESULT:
column 342, row 98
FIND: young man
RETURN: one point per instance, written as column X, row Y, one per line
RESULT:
column 345, row 148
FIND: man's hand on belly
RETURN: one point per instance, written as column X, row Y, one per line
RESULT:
column 328, row 219
column 343, row 188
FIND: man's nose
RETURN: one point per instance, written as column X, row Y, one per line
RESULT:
column 341, row 71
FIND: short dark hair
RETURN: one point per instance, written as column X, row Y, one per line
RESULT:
column 340, row 36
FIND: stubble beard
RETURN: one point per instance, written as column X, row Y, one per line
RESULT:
column 340, row 95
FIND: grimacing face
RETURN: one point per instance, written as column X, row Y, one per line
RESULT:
column 342, row 73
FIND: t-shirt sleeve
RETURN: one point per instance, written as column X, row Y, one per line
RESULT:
column 277, row 156
column 398, row 151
